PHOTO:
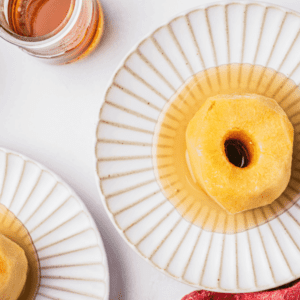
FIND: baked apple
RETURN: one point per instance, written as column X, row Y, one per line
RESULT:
column 240, row 150
column 13, row 269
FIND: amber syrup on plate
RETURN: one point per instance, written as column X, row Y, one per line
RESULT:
column 169, row 147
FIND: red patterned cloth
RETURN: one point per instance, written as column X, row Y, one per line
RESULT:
column 289, row 291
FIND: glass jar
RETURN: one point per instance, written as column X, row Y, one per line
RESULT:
column 75, row 37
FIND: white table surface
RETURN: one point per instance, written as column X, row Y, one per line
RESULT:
column 49, row 113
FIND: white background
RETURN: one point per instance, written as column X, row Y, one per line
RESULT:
column 49, row 113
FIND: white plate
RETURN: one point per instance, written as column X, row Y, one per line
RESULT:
column 262, row 257
column 72, row 256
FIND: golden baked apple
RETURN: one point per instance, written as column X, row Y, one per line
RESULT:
column 240, row 150
column 13, row 269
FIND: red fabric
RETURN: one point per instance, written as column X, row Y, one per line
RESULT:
column 289, row 291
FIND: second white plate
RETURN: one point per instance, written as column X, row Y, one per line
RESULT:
column 71, row 253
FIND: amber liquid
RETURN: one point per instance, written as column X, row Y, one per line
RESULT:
column 13, row 229
column 40, row 17
column 170, row 159
column 37, row 18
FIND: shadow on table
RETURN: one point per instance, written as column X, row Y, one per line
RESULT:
column 116, row 272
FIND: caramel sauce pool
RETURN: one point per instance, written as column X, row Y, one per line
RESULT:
column 13, row 229
column 169, row 150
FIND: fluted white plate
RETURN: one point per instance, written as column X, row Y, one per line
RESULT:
column 251, row 33
column 71, row 253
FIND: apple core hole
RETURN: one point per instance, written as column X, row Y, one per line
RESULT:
column 237, row 152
